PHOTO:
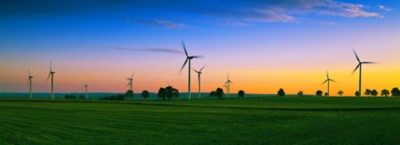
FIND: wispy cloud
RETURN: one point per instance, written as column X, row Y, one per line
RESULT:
column 384, row 8
column 334, row 8
column 157, row 22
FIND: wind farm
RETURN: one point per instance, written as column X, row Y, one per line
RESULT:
column 199, row 72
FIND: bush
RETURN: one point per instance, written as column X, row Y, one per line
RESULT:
column 145, row 94
column 281, row 92
column 319, row 93
column 117, row 97
column 241, row 94
column 219, row 93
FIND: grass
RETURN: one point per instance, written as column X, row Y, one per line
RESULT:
column 272, row 120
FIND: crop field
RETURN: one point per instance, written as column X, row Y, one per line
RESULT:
column 268, row 120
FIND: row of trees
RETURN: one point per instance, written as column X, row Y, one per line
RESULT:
column 368, row 92
column 385, row 92
column 166, row 93
column 170, row 92
column 220, row 92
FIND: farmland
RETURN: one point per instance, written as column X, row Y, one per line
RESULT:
column 268, row 120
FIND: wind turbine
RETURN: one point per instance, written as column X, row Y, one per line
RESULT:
column 86, row 90
column 188, row 59
column 328, row 80
column 30, row 83
column 130, row 84
column 51, row 74
column 228, row 85
column 360, row 63
column 199, row 72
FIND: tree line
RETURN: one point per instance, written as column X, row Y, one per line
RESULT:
column 169, row 92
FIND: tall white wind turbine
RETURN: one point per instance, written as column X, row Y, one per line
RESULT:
column 359, row 66
column 228, row 85
column 30, row 83
column 199, row 72
column 51, row 74
column 327, row 81
column 86, row 90
column 130, row 81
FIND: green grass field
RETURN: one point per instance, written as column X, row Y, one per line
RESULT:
column 272, row 120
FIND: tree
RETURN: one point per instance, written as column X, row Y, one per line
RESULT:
column 241, row 94
column 145, row 94
column 213, row 93
column 281, row 92
column 300, row 93
column 117, row 97
column 82, row 97
column 318, row 93
column 367, row 92
column 374, row 93
column 340, row 93
column 395, row 91
column 161, row 93
column 129, row 94
column 69, row 96
column 219, row 93
column 175, row 92
column 357, row 93
column 169, row 91
column 385, row 92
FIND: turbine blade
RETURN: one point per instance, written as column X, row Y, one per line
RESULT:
column 355, row 54
column 196, row 71
column 51, row 66
column 29, row 72
column 48, row 76
column 325, row 82
column 184, row 48
column 332, row 80
column 132, row 75
column 355, row 69
column 197, row 56
column 327, row 74
column 368, row 62
column 27, row 83
column 202, row 68
column 183, row 65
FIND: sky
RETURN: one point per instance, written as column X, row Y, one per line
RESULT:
column 264, row 45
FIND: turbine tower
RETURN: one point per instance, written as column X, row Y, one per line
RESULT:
column 199, row 72
column 188, row 59
column 51, row 74
column 328, row 80
column 30, row 83
column 228, row 85
column 359, row 66
column 86, row 90
column 130, row 80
